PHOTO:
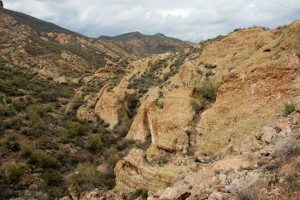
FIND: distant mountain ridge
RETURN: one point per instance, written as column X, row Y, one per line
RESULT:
column 133, row 35
column 140, row 44
column 133, row 45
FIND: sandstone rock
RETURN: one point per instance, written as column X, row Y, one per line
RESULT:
column 66, row 198
column 287, row 169
column 268, row 134
column 110, row 108
column 222, row 178
column 177, row 193
column 74, row 193
column 61, row 79
column 296, row 119
column 218, row 196
column 165, row 125
column 135, row 171
column 283, row 123
column 285, row 133
column 84, row 113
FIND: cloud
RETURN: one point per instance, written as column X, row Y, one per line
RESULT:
column 191, row 20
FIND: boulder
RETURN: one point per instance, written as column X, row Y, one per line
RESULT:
column 268, row 134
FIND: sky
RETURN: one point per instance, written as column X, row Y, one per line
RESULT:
column 190, row 20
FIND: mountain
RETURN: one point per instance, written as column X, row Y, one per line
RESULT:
column 139, row 44
column 84, row 118
column 37, row 24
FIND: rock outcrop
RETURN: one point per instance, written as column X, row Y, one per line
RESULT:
column 254, row 84
column 135, row 170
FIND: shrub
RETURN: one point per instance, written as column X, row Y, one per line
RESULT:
column 289, row 107
column 208, row 90
column 13, row 171
column 26, row 151
column 293, row 181
column 58, row 192
column 39, row 158
column 210, row 66
column 246, row 193
column 298, row 54
column 140, row 193
column 4, row 110
column 12, row 122
column 112, row 156
column 85, row 177
column 10, row 142
column 74, row 129
column 95, row 143
column 121, row 130
column 287, row 148
column 52, row 178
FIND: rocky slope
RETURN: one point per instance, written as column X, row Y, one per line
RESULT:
column 205, row 122
column 47, row 72
column 254, row 72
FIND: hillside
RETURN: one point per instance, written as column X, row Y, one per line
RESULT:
column 89, row 119
column 136, row 43
column 37, row 24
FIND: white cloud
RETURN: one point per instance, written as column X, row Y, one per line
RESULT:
column 188, row 20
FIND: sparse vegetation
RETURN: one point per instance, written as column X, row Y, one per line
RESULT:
column 287, row 148
column 30, row 110
column 298, row 54
column 246, row 193
column 207, row 90
column 52, row 178
column 13, row 171
column 140, row 193
column 86, row 176
column 288, row 108
column 293, row 180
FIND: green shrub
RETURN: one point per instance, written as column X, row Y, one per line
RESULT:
column 41, row 159
column 13, row 171
column 4, row 110
column 298, row 54
column 293, row 181
column 74, row 129
column 95, row 142
column 27, row 151
column 12, row 123
column 58, row 192
column 140, row 193
column 86, row 177
column 52, row 178
column 112, row 156
column 208, row 90
column 10, row 142
column 288, row 108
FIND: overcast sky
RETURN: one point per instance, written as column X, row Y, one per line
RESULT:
column 191, row 20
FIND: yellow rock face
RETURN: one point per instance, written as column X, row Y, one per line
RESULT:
column 109, row 108
column 134, row 170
